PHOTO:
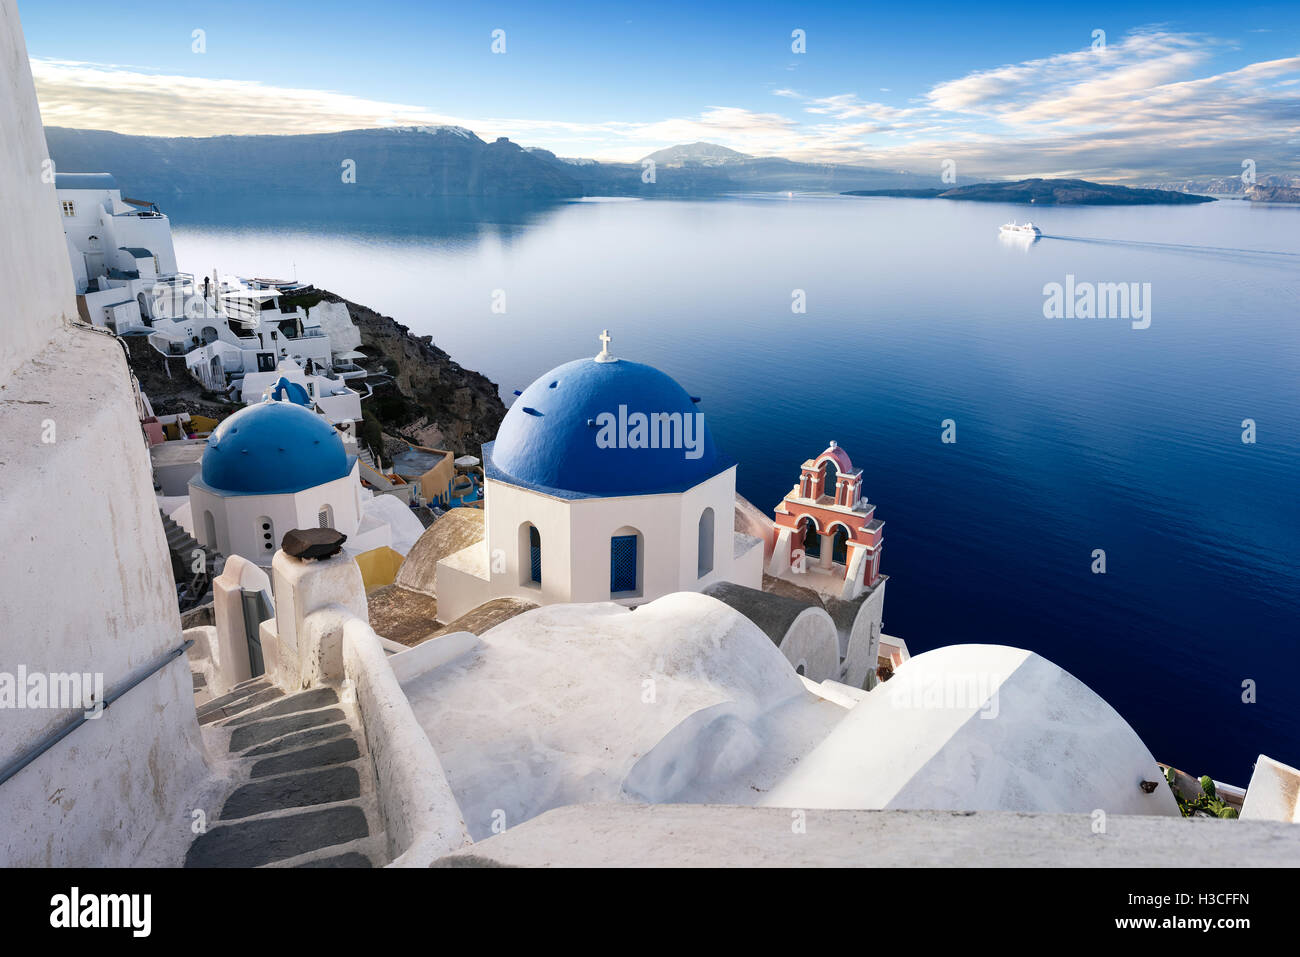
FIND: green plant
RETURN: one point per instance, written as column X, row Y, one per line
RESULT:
column 1207, row 802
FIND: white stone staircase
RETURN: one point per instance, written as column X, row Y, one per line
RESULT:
column 304, row 792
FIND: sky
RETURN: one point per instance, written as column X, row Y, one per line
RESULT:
column 1118, row 90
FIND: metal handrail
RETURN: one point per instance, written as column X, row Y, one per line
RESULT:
column 10, row 768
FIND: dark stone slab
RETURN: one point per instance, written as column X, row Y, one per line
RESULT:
column 313, row 542
column 260, row 732
column 337, row 751
column 350, row 859
column 296, row 790
column 467, row 860
column 251, row 701
column 300, row 739
column 254, row 843
column 304, row 701
column 240, row 692
column 200, row 680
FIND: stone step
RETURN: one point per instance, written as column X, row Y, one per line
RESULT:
column 299, row 739
column 350, row 859
column 260, row 732
column 303, row 701
column 338, row 751
column 248, row 701
column 329, row 786
column 266, row 840
column 237, row 693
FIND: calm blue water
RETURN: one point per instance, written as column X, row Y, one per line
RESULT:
column 1072, row 435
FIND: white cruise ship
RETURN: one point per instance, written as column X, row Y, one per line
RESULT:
column 1023, row 229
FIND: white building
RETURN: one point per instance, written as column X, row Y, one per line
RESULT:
column 328, row 394
column 125, row 273
column 603, row 484
column 227, row 330
column 109, row 234
column 119, row 249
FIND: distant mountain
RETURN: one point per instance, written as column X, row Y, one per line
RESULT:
column 1051, row 192
column 703, row 169
column 428, row 161
column 695, row 154
column 1273, row 194
column 1233, row 186
column 404, row 161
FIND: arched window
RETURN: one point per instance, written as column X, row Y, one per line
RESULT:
column 533, row 542
column 839, row 543
column 706, row 543
column 832, row 476
column 266, row 533
column 209, row 530
column 812, row 540
column 625, row 562
column 325, row 517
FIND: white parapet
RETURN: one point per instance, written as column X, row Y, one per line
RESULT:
column 1273, row 793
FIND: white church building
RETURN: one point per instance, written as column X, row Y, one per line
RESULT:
column 603, row 484
column 269, row 468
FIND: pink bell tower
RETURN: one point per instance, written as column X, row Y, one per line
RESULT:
column 828, row 502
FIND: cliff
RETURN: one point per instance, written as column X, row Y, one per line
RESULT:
column 403, row 161
column 1274, row 194
column 424, row 395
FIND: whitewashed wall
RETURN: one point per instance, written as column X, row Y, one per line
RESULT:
column 235, row 517
column 86, row 583
column 575, row 536
column 34, row 270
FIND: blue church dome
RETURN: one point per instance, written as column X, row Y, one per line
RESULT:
column 573, row 433
column 272, row 448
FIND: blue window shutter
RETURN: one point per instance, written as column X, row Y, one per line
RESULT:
column 535, row 554
column 622, row 563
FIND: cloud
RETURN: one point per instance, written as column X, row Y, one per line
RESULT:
column 1135, row 109
column 1148, row 105
column 132, row 100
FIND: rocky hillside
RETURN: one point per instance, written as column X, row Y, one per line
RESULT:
column 405, row 161
column 1075, row 192
column 1274, row 194
column 428, row 398
column 1048, row 192
column 169, row 387
column 422, row 395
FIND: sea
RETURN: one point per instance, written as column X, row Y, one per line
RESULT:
column 1116, row 492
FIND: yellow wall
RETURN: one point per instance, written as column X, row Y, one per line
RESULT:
column 379, row 566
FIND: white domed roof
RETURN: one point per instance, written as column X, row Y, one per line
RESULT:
column 980, row 728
